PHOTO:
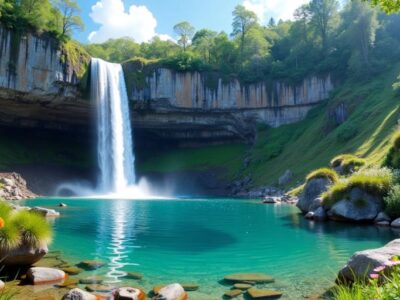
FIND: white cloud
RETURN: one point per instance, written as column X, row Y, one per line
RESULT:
column 138, row 22
column 279, row 9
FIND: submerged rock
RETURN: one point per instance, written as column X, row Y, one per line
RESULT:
column 233, row 293
column 91, row 264
column 40, row 275
column 309, row 199
column 99, row 288
column 128, row 293
column 72, row 270
column 188, row 287
column 242, row 286
column 91, row 280
column 362, row 263
column 361, row 206
column 78, row 294
column 134, row 275
column 255, row 293
column 171, row 292
column 252, row 277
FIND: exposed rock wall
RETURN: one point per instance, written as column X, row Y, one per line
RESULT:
column 274, row 103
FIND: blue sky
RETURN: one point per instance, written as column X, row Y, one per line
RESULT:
column 144, row 19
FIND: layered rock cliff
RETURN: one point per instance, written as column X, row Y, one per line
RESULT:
column 39, row 89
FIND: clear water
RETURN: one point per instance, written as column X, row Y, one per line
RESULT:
column 200, row 241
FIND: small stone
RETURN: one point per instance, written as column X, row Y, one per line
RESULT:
column 134, row 275
column 91, row 264
column 309, row 215
column 62, row 205
column 254, row 277
column 40, row 275
column 233, row 293
column 242, row 286
column 263, row 294
column 171, row 292
column 91, row 280
column 78, row 294
column 99, row 288
column 396, row 223
column 72, row 270
column 127, row 293
column 190, row 287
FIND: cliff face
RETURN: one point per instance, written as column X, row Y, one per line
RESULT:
column 39, row 89
column 273, row 103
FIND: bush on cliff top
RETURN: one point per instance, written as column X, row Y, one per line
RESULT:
column 374, row 181
column 22, row 226
column 347, row 162
column 323, row 173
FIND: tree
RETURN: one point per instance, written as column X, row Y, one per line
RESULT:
column 185, row 32
column 271, row 22
column 37, row 13
column 243, row 20
column 69, row 20
column 323, row 13
column 388, row 6
column 203, row 41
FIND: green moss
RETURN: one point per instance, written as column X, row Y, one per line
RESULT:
column 136, row 71
column 374, row 181
column 76, row 55
column 393, row 156
column 323, row 173
column 348, row 163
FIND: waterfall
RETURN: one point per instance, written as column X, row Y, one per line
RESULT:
column 114, row 133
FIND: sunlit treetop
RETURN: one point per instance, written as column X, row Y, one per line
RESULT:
column 388, row 6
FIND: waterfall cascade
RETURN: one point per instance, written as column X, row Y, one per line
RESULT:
column 114, row 133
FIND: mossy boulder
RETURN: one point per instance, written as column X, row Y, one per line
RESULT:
column 347, row 163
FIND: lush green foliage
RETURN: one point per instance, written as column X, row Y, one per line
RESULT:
column 347, row 162
column 323, row 173
column 389, row 6
column 22, row 226
column 374, row 181
column 392, row 202
column 393, row 156
column 59, row 17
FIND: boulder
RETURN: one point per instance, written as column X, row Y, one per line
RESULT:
column 24, row 255
column 320, row 214
column 255, row 293
column 361, row 206
column 78, row 294
column 72, row 270
column 128, row 293
column 396, row 223
column 171, row 292
column 285, row 178
column 362, row 263
column 312, row 190
column 46, row 212
column 41, row 275
column 382, row 217
column 249, row 277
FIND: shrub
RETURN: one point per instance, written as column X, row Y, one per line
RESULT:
column 22, row 226
column 346, row 132
column 348, row 163
column 392, row 202
column 323, row 173
column 393, row 156
column 374, row 181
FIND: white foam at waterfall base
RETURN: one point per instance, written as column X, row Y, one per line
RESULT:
column 116, row 159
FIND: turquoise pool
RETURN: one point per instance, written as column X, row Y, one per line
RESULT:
column 202, row 240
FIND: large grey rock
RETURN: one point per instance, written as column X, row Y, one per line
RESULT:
column 41, row 275
column 382, row 217
column 78, row 294
column 396, row 223
column 362, row 263
column 312, row 191
column 285, row 178
column 361, row 206
column 24, row 255
column 171, row 292
column 320, row 214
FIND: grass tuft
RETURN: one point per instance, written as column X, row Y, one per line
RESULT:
column 323, row 173
column 348, row 162
column 33, row 227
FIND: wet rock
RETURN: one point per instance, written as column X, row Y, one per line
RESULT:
column 255, row 293
column 361, row 206
column 233, row 293
column 285, row 178
column 382, row 217
column 78, row 294
column 253, row 277
column 396, row 223
column 72, row 270
column 91, row 280
column 320, row 214
column 128, row 293
column 62, row 205
column 383, row 223
column 362, row 263
column 24, row 255
column 40, row 275
column 309, row 199
column 188, row 287
column 171, row 292
column 242, row 286
column 309, row 215
column 134, row 275
column 46, row 212
column 91, row 264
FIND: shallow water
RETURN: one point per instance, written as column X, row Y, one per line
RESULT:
column 202, row 240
